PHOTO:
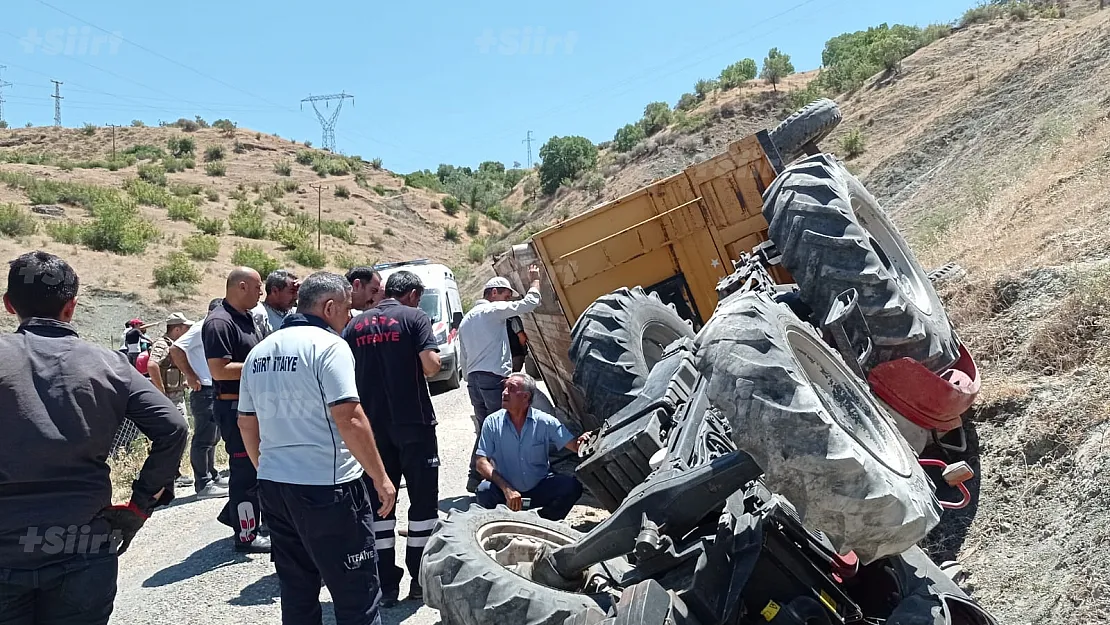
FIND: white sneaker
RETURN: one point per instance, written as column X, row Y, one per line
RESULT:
column 212, row 491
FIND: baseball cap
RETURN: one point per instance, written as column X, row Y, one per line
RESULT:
column 499, row 283
column 137, row 323
column 178, row 319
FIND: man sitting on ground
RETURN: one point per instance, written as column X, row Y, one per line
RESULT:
column 513, row 455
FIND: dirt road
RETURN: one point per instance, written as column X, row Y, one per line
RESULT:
column 181, row 567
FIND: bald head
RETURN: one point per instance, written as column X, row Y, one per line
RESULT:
column 244, row 288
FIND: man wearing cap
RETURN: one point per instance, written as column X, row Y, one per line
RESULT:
column 135, row 340
column 164, row 374
column 485, row 355
column 187, row 353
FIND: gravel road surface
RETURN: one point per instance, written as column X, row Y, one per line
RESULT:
column 181, row 567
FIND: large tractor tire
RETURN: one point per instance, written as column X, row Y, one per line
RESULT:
column 834, row 236
column 805, row 127
column 472, row 573
column 615, row 344
column 815, row 429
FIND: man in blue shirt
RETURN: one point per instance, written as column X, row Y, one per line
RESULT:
column 513, row 455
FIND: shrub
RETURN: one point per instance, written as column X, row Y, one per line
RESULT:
column 475, row 252
column 118, row 227
column 451, row 205
column 272, row 193
column 137, row 123
column 182, row 210
column 689, row 123
column 210, row 225
column 225, row 126
column 379, row 189
column 283, row 167
column 377, row 242
column 177, row 270
column 16, row 222
column 188, row 125
column 594, row 183
column 472, row 225
column 289, row 186
column 307, row 143
column 387, row 232
column 65, row 231
column 147, row 193
column 628, row 136
column 152, row 173
column 338, row 229
column 565, row 157
column 3, row 123
column 687, row 102
column 88, row 130
column 214, row 153
column 309, row 257
column 776, row 66
column 451, row 233
column 215, row 168
column 290, row 235
column 238, row 147
column 703, row 87
column 254, row 257
column 212, row 196
column 202, row 246
column 181, row 146
column 246, row 221
column 376, row 163
column 737, row 74
column 305, row 157
column 852, row 143
column 185, row 190
column 657, row 116
column 342, row 191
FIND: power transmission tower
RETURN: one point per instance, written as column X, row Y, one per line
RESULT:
column 113, row 127
column 328, row 123
column 319, row 188
column 529, row 142
column 57, row 103
column 2, row 85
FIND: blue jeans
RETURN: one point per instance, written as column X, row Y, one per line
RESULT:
column 484, row 389
column 79, row 591
column 555, row 495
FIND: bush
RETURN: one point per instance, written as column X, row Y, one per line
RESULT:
column 657, row 116
column 152, row 173
column 338, row 229
column 307, row 143
column 16, row 222
column 181, row 146
column 88, row 130
column 137, row 123
column 118, row 228
column 737, row 74
column 703, row 87
column 309, row 257
column 305, row 157
column 450, row 205
column 689, row 123
column 289, row 186
column 594, row 183
column 210, row 225
column 342, row 191
column 272, row 193
column 185, row 190
column 147, row 193
column 246, row 221
column 451, row 233
column 475, row 252
column 202, row 246
column 472, row 225
column 852, row 143
column 65, row 231
column 776, row 66
column 376, row 163
column 291, row 235
column 687, row 102
column 254, row 257
column 177, row 270
column 628, row 136
column 283, row 167
column 211, row 195
column 214, row 153
column 215, row 168
column 379, row 189
column 225, row 126
column 182, row 210
column 565, row 157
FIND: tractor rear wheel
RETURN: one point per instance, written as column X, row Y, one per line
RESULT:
column 805, row 127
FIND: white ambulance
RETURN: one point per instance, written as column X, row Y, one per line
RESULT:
column 443, row 305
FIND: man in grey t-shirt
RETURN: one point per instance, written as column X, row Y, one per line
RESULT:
column 304, row 430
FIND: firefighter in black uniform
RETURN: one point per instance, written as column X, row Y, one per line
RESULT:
column 395, row 349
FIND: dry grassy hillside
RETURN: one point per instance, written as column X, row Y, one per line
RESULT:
column 386, row 220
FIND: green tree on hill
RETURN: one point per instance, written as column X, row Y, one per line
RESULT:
column 657, row 116
column 737, row 74
column 628, row 136
column 776, row 66
column 563, row 158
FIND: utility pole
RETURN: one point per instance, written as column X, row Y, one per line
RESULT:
column 57, row 103
column 528, row 140
column 319, row 188
column 2, row 85
column 328, row 123
column 113, row 127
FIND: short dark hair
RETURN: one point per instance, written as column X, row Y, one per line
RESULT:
column 216, row 301
column 364, row 274
column 402, row 282
column 40, row 285
column 278, row 280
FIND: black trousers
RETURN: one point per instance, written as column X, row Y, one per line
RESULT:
column 411, row 451
column 206, row 433
column 323, row 533
column 242, row 503
column 79, row 591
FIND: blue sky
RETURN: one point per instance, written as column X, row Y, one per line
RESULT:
column 455, row 82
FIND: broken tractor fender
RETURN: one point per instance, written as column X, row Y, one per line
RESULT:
column 931, row 401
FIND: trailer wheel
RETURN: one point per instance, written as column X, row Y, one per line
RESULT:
column 475, row 571
column 807, row 126
column 835, row 236
column 615, row 344
column 815, row 429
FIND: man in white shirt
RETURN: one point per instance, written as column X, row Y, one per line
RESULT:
column 187, row 352
column 486, row 356
column 305, row 432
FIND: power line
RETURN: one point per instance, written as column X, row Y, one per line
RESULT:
column 57, row 103
column 328, row 123
column 2, row 85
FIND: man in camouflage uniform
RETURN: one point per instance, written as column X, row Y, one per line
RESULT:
column 163, row 372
